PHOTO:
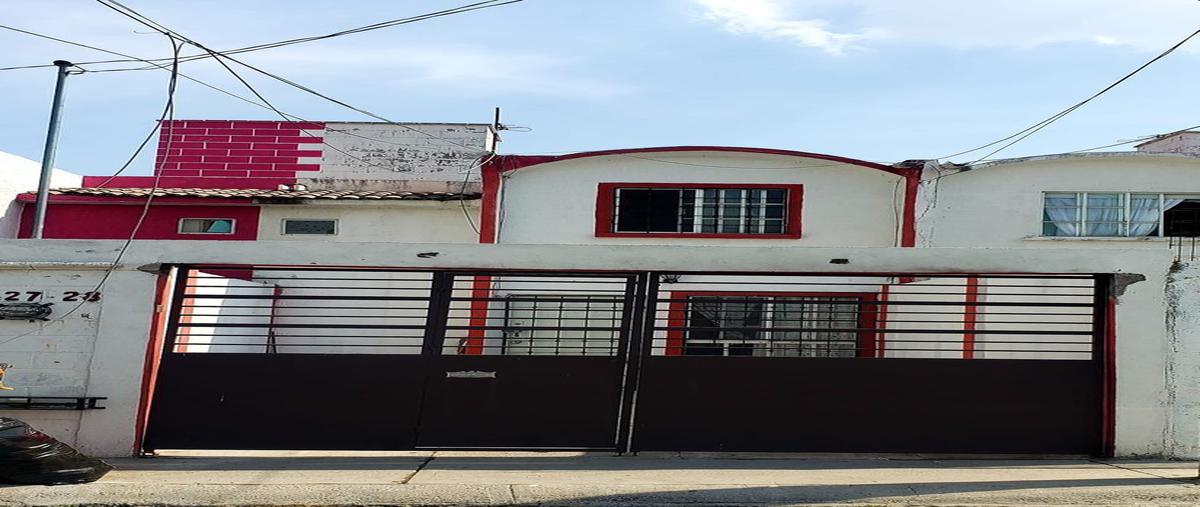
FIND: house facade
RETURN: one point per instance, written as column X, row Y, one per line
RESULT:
column 995, row 338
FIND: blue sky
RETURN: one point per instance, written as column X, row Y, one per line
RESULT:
column 880, row 80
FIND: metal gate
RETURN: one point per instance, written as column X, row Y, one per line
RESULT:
column 885, row 363
column 275, row 357
column 354, row 358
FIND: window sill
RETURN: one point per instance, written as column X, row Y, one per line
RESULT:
column 1145, row 239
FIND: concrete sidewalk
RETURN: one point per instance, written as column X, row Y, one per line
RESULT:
column 504, row 478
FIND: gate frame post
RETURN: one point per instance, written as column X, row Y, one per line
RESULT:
column 641, row 338
column 441, row 288
column 1104, row 355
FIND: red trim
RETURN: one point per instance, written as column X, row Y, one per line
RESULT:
column 140, row 201
column 158, row 326
column 677, row 316
column 513, row 162
column 908, row 227
column 606, row 200
column 1108, row 429
column 186, row 182
column 970, row 298
column 481, row 285
column 881, row 319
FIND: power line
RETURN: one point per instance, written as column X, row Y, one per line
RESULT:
column 167, row 115
column 291, row 118
column 1032, row 129
column 270, row 45
column 130, row 13
column 1137, row 140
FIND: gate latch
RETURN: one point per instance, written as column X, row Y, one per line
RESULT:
column 471, row 374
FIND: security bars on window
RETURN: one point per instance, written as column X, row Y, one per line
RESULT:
column 710, row 210
column 779, row 326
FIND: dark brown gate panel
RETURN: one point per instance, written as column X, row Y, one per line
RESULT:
column 530, row 361
column 292, row 358
column 887, row 363
column 284, row 401
column 840, row 405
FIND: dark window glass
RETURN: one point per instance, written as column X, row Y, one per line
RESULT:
column 316, row 227
column 1183, row 219
column 712, row 210
column 648, row 210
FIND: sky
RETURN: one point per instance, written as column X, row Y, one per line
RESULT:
column 879, row 80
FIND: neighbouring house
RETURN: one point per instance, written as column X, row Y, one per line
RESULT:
column 922, row 349
column 227, row 180
column 19, row 175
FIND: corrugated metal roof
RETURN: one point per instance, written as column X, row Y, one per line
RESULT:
column 252, row 193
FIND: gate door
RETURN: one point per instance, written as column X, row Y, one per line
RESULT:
column 291, row 358
column 529, row 360
column 889, row 363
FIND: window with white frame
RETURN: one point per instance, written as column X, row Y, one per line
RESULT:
column 206, row 225
column 740, row 211
column 1120, row 214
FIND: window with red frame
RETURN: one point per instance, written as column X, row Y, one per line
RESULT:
column 729, row 210
column 771, row 326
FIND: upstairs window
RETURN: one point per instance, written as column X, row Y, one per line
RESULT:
column 206, row 225
column 1117, row 214
column 675, row 210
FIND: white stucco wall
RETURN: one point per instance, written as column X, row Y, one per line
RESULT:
column 844, row 204
column 1000, row 204
column 1183, row 375
column 17, row 175
column 360, row 152
column 82, row 354
column 392, row 221
column 118, row 349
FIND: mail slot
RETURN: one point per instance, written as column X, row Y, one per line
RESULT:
column 470, row 374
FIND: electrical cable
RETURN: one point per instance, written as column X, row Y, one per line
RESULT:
column 130, row 13
column 271, row 45
column 292, row 119
column 1032, row 129
column 167, row 114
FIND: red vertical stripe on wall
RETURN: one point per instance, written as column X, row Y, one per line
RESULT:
column 969, row 317
column 481, row 287
column 158, row 329
column 908, row 227
column 1108, row 429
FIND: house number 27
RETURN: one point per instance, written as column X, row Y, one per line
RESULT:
column 70, row 295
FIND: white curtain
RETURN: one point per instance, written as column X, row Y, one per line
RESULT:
column 1061, row 210
column 1104, row 214
column 1143, row 215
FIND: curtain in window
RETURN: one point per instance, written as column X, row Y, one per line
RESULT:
column 1104, row 214
column 1144, row 213
column 1061, row 211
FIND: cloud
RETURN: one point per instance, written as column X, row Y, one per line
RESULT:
column 770, row 19
column 1145, row 25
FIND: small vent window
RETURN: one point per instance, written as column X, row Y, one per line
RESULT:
column 206, row 225
column 293, row 226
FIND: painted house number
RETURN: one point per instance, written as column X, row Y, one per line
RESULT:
column 70, row 295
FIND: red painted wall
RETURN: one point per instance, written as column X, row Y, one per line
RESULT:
column 220, row 149
column 116, row 221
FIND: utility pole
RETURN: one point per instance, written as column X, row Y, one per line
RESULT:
column 43, row 194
